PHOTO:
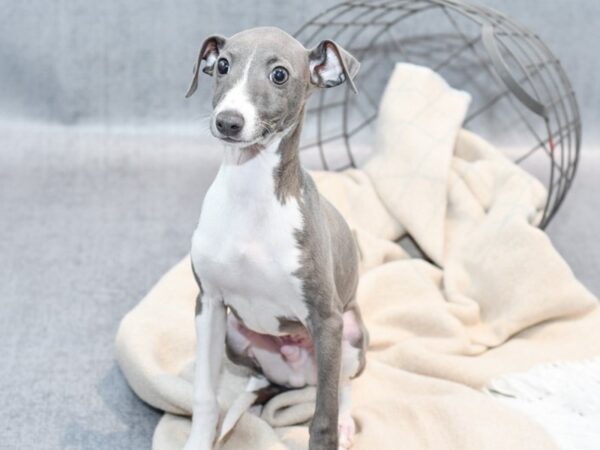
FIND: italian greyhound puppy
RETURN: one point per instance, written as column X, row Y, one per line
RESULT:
column 276, row 263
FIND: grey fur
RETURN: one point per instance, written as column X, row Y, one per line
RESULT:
column 290, row 325
column 329, row 274
column 329, row 258
column 198, row 308
column 288, row 175
column 241, row 359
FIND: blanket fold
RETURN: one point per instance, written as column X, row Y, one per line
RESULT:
column 493, row 298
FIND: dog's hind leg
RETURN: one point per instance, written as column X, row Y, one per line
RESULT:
column 354, row 346
column 346, row 426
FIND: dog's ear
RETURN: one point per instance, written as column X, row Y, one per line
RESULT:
column 209, row 52
column 331, row 65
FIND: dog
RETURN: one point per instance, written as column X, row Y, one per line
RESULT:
column 276, row 264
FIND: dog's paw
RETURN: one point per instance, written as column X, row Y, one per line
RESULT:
column 198, row 440
column 346, row 430
column 194, row 445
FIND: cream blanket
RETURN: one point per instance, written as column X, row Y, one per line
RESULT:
column 495, row 297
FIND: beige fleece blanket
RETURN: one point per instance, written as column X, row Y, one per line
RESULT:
column 495, row 297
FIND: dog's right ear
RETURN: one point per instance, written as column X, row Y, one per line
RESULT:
column 209, row 52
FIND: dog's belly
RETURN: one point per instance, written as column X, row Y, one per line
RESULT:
column 290, row 360
column 287, row 360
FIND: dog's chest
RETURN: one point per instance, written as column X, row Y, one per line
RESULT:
column 245, row 249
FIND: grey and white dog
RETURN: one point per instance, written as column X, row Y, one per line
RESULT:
column 276, row 263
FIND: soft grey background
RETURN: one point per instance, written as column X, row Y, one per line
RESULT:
column 102, row 174
column 129, row 62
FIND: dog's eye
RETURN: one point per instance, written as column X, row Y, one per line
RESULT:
column 223, row 66
column 279, row 75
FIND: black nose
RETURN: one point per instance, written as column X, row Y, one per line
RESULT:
column 230, row 123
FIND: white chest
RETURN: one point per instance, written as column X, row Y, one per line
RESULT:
column 244, row 248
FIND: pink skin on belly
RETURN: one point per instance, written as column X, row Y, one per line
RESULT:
column 294, row 347
column 289, row 346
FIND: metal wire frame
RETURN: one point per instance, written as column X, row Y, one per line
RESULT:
column 511, row 74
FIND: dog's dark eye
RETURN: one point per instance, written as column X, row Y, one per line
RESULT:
column 279, row 75
column 223, row 66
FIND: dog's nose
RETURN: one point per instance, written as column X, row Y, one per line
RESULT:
column 230, row 123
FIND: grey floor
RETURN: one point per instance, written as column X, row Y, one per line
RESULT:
column 89, row 222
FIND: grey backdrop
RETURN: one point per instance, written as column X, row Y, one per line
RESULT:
column 102, row 174
column 118, row 63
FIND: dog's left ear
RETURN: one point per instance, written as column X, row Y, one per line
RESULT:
column 331, row 65
column 209, row 52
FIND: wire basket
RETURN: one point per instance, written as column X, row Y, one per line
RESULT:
column 522, row 99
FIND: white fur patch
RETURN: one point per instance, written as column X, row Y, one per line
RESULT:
column 211, row 59
column 237, row 99
column 244, row 248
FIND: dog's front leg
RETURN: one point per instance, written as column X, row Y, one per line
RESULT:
column 211, row 320
column 326, row 330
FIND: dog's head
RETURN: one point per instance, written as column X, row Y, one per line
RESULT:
column 263, row 77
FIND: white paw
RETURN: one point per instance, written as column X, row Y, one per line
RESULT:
column 196, row 444
column 191, row 445
column 199, row 440
column 346, row 430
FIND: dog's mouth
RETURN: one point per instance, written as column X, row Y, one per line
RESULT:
column 232, row 140
column 239, row 142
column 260, row 139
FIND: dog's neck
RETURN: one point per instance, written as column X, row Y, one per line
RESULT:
column 288, row 174
column 278, row 159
